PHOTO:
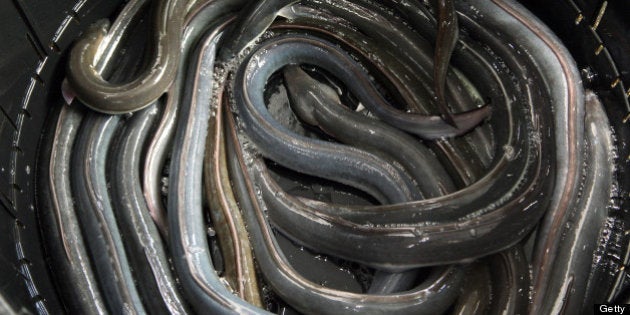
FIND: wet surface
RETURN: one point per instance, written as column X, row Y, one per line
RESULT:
column 317, row 215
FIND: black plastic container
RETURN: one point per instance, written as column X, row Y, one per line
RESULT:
column 35, row 36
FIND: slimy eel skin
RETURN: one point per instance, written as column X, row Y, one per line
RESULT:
column 329, row 157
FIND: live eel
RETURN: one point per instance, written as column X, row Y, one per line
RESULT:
column 200, row 281
column 432, row 296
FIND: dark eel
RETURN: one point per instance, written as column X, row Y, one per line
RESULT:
column 252, row 21
column 156, row 156
column 423, row 22
column 159, row 289
column 95, row 212
column 510, row 277
column 197, row 22
column 433, row 296
column 476, row 291
column 558, row 70
column 345, row 164
column 59, row 220
column 445, row 43
column 204, row 289
column 317, row 104
column 468, row 156
column 570, row 288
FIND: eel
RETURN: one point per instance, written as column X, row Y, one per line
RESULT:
column 187, row 232
column 152, row 267
column 91, row 87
